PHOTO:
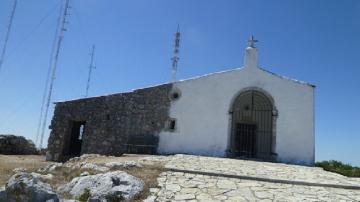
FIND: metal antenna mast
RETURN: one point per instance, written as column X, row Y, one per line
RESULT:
column 54, row 67
column 7, row 35
column 48, row 76
column 175, row 57
column 91, row 67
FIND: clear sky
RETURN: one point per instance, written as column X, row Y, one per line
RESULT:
column 314, row 41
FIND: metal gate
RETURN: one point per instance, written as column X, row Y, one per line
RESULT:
column 245, row 139
column 252, row 125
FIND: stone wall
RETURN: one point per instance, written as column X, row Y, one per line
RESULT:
column 117, row 123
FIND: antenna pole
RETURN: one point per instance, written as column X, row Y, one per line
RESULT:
column 175, row 58
column 91, row 67
column 38, row 131
column 7, row 35
column 54, row 67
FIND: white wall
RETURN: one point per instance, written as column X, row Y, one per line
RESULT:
column 202, row 114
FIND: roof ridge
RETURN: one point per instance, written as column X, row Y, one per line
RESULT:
column 193, row 78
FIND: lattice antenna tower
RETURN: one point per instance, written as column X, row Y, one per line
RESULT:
column 175, row 58
column 7, row 35
column 46, row 86
column 91, row 67
column 54, row 67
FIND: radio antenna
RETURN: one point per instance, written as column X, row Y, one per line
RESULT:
column 7, row 35
column 175, row 58
column 54, row 67
column 91, row 67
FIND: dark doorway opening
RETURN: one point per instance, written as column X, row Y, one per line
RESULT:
column 76, row 137
column 252, row 126
column 245, row 140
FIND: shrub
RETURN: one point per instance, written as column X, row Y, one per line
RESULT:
column 16, row 145
column 339, row 167
column 115, row 198
column 85, row 195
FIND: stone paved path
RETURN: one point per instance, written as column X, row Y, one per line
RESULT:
column 184, row 186
column 258, row 169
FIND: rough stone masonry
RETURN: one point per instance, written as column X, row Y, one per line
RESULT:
column 112, row 124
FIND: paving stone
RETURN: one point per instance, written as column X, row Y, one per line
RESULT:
column 226, row 184
column 237, row 198
column 184, row 196
column 154, row 190
column 220, row 197
column 189, row 190
column 173, row 187
column 263, row 195
column 203, row 196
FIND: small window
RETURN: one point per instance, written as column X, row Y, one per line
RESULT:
column 175, row 94
column 171, row 125
column 81, row 131
column 108, row 117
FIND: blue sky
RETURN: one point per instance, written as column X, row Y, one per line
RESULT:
column 314, row 41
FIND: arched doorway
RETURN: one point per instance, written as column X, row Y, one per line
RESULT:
column 252, row 126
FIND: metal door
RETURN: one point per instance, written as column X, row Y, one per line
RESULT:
column 252, row 125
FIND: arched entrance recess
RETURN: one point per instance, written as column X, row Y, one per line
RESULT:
column 252, row 126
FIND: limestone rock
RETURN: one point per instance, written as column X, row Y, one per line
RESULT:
column 42, row 177
column 150, row 199
column 93, row 166
column 16, row 145
column 28, row 188
column 50, row 167
column 2, row 194
column 122, row 164
column 104, row 185
column 84, row 174
column 16, row 170
column 86, row 166
column 83, row 157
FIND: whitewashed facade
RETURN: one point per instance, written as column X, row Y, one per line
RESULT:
column 203, row 113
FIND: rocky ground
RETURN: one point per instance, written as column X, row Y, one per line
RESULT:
column 9, row 162
column 174, row 178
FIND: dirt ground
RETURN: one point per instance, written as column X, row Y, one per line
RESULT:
column 9, row 162
column 124, row 157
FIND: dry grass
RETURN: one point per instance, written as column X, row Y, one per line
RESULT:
column 9, row 162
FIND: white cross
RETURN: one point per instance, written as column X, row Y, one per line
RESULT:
column 252, row 41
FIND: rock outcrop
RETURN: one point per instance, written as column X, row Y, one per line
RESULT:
column 26, row 187
column 122, row 164
column 16, row 145
column 2, row 194
column 102, row 186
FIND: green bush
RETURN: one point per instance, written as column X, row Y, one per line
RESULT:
column 339, row 167
column 85, row 195
column 115, row 198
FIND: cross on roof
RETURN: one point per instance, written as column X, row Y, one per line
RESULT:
column 252, row 41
